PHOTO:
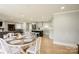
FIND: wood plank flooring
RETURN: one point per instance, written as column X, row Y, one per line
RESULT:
column 47, row 47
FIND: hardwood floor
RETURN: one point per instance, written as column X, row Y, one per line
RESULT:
column 47, row 47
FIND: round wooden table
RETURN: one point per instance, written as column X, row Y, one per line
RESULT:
column 21, row 43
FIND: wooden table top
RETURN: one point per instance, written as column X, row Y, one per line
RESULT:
column 20, row 41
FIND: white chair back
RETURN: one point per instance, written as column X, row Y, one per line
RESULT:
column 38, row 45
column 4, row 46
column 10, row 34
column 5, row 36
column 7, row 49
column 35, row 48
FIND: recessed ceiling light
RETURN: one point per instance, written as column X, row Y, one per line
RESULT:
column 46, row 26
column 62, row 7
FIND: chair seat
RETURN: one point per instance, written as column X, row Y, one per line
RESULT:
column 32, row 50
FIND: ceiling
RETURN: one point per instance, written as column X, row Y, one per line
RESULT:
column 32, row 12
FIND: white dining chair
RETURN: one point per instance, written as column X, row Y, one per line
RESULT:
column 35, row 49
column 10, row 34
column 6, row 49
column 5, row 35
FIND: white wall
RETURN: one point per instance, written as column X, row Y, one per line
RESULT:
column 66, row 28
column 24, row 26
column 18, row 26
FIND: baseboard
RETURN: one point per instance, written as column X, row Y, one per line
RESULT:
column 65, row 44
